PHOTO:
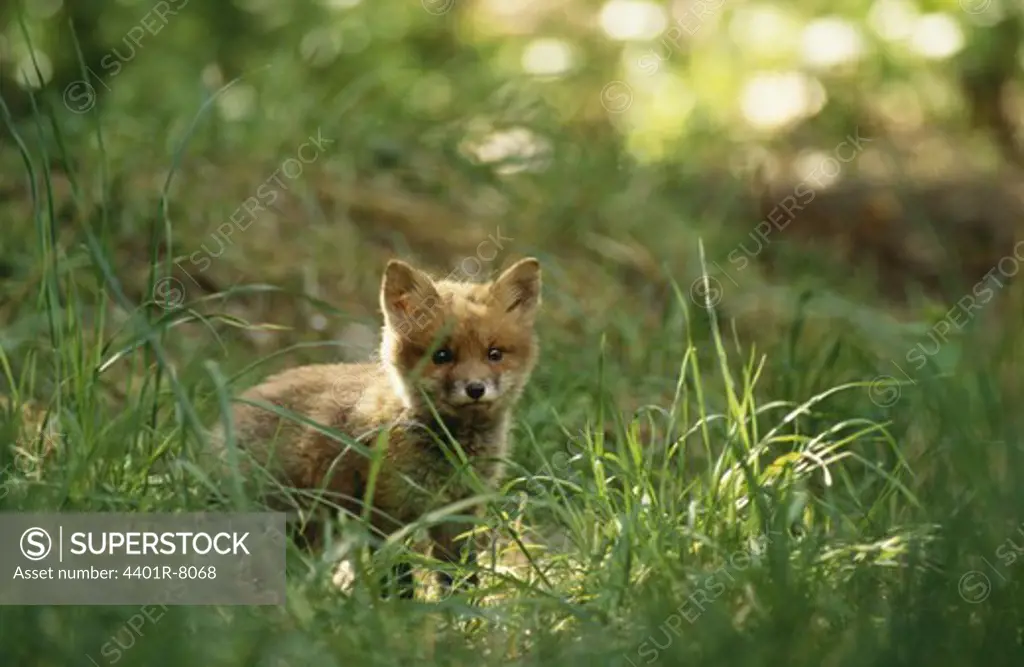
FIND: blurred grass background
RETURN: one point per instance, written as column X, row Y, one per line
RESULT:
column 195, row 190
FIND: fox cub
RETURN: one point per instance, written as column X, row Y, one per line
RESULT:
column 465, row 349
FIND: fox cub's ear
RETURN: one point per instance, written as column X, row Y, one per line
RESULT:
column 518, row 288
column 407, row 297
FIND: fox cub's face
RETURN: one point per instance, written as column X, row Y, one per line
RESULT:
column 469, row 347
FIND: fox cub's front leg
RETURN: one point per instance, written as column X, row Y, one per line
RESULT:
column 452, row 542
column 400, row 580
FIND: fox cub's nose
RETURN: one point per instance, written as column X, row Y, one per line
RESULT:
column 475, row 390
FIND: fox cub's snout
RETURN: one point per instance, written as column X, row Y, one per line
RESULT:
column 467, row 347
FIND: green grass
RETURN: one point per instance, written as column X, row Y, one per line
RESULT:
column 682, row 492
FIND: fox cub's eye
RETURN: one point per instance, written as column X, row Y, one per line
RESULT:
column 442, row 356
column 494, row 354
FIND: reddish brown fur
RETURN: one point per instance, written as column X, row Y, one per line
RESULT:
column 364, row 400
